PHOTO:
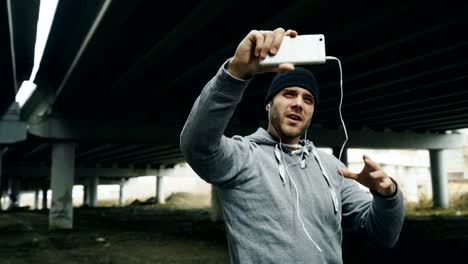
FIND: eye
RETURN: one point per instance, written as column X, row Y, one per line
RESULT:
column 309, row 100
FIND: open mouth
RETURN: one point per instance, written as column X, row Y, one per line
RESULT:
column 294, row 117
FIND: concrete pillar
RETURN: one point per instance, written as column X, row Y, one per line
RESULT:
column 36, row 199
column 62, row 176
column 121, row 193
column 14, row 192
column 216, row 213
column 92, row 191
column 159, row 190
column 156, row 188
column 1, row 187
column 44, row 196
column 85, row 194
column 344, row 155
column 439, row 179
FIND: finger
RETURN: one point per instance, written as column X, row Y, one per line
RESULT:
column 267, row 43
column 257, row 39
column 388, row 184
column 378, row 174
column 348, row 174
column 291, row 33
column 278, row 38
column 370, row 163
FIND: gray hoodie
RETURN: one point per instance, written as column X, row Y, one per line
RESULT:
column 278, row 204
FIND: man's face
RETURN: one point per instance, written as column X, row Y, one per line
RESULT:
column 290, row 114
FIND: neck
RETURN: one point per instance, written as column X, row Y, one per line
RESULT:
column 281, row 138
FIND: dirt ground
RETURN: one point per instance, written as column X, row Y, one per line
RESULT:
column 176, row 233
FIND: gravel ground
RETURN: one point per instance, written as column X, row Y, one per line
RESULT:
column 171, row 234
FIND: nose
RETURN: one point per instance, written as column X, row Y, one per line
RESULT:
column 297, row 103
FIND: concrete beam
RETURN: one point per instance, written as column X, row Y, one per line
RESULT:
column 28, row 172
column 12, row 129
column 150, row 133
column 104, row 131
column 36, row 108
column 323, row 137
column 8, row 73
column 386, row 140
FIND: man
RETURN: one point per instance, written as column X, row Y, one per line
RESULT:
column 283, row 200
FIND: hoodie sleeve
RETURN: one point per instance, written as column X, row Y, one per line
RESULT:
column 381, row 218
column 214, row 157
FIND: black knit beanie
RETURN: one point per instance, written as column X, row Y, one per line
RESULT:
column 299, row 77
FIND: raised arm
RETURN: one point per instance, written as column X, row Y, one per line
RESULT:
column 214, row 157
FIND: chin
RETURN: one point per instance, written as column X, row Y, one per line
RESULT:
column 292, row 133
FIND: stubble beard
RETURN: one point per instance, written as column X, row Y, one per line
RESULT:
column 285, row 132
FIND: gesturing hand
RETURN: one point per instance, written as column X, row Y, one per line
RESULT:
column 373, row 177
column 256, row 46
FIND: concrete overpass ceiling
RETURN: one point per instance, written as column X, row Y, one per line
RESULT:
column 404, row 67
column 393, row 61
column 36, row 153
column 18, row 35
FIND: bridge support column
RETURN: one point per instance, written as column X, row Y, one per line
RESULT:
column 44, row 196
column 92, row 191
column 36, row 198
column 121, row 193
column 159, row 190
column 1, row 187
column 14, row 192
column 439, row 179
column 62, row 176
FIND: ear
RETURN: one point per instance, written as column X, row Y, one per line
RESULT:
column 267, row 107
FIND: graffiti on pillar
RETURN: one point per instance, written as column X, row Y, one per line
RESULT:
column 62, row 204
column 60, row 214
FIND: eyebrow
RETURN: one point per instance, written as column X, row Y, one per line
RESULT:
column 288, row 90
column 308, row 95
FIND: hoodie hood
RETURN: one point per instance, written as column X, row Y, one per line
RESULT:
column 303, row 149
column 262, row 137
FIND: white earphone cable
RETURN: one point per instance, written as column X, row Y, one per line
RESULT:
column 294, row 183
column 305, row 137
column 341, row 103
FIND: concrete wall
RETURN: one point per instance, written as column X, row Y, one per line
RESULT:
column 179, row 179
column 411, row 169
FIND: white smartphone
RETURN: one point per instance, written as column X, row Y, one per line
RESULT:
column 301, row 50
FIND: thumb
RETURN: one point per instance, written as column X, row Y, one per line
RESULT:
column 284, row 67
column 370, row 163
column 347, row 173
